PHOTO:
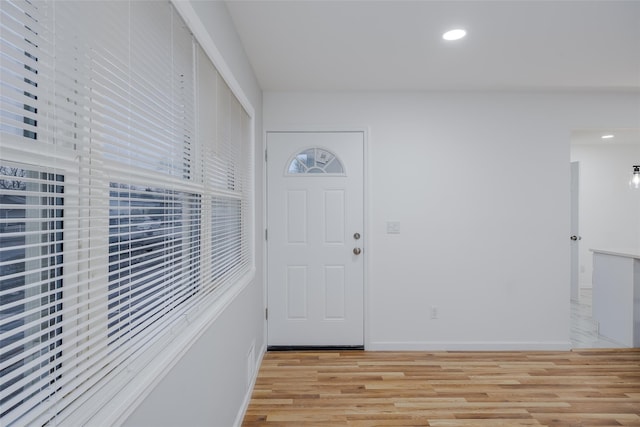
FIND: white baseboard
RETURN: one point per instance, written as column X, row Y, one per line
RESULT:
column 469, row 346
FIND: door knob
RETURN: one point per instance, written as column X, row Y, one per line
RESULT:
column 574, row 237
column 357, row 251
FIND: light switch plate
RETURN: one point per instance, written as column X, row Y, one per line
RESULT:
column 393, row 227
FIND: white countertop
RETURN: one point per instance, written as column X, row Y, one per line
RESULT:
column 623, row 252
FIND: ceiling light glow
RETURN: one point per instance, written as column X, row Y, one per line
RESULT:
column 607, row 136
column 456, row 34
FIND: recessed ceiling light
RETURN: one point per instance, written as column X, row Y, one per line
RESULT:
column 607, row 136
column 456, row 34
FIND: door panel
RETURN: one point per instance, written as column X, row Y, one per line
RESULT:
column 314, row 208
column 334, row 291
column 296, row 217
column 297, row 285
column 334, row 210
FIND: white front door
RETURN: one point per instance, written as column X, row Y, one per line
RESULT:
column 315, row 238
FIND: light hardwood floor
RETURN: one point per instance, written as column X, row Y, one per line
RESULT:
column 356, row 388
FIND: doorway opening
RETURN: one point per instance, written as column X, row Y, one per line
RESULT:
column 604, row 214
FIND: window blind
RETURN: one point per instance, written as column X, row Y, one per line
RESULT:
column 225, row 143
column 125, row 182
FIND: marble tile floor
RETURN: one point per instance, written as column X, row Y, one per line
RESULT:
column 584, row 333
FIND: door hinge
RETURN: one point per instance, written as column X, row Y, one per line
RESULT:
column 265, row 155
column 266, row 313
column 266, row 235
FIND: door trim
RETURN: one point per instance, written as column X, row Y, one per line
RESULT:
column 365, row 130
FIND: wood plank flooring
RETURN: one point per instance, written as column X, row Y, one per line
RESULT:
column 356, row 388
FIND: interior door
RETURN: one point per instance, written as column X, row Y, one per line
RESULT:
column 315, row 238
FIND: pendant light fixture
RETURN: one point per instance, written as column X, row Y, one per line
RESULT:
column 635, row 177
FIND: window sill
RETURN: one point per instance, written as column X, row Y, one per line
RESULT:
column 113, row 402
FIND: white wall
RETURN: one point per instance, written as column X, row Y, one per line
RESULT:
column 209, row 386
column 609, row 210
column 480, row 184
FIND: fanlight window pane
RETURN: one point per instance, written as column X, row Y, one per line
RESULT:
column 315, row 161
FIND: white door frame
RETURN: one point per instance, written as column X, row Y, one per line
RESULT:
column 575, row 230
column 366, row 205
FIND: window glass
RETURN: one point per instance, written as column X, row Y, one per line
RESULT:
column 31, row 284
column 226, row 238
column 152, row 234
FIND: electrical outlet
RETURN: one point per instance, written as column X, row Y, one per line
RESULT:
column 434, row 312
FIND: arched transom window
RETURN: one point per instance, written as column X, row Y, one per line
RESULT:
column 315, row 161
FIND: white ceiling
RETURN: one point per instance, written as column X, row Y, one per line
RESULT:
column 350, row 45
column 594, row 137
